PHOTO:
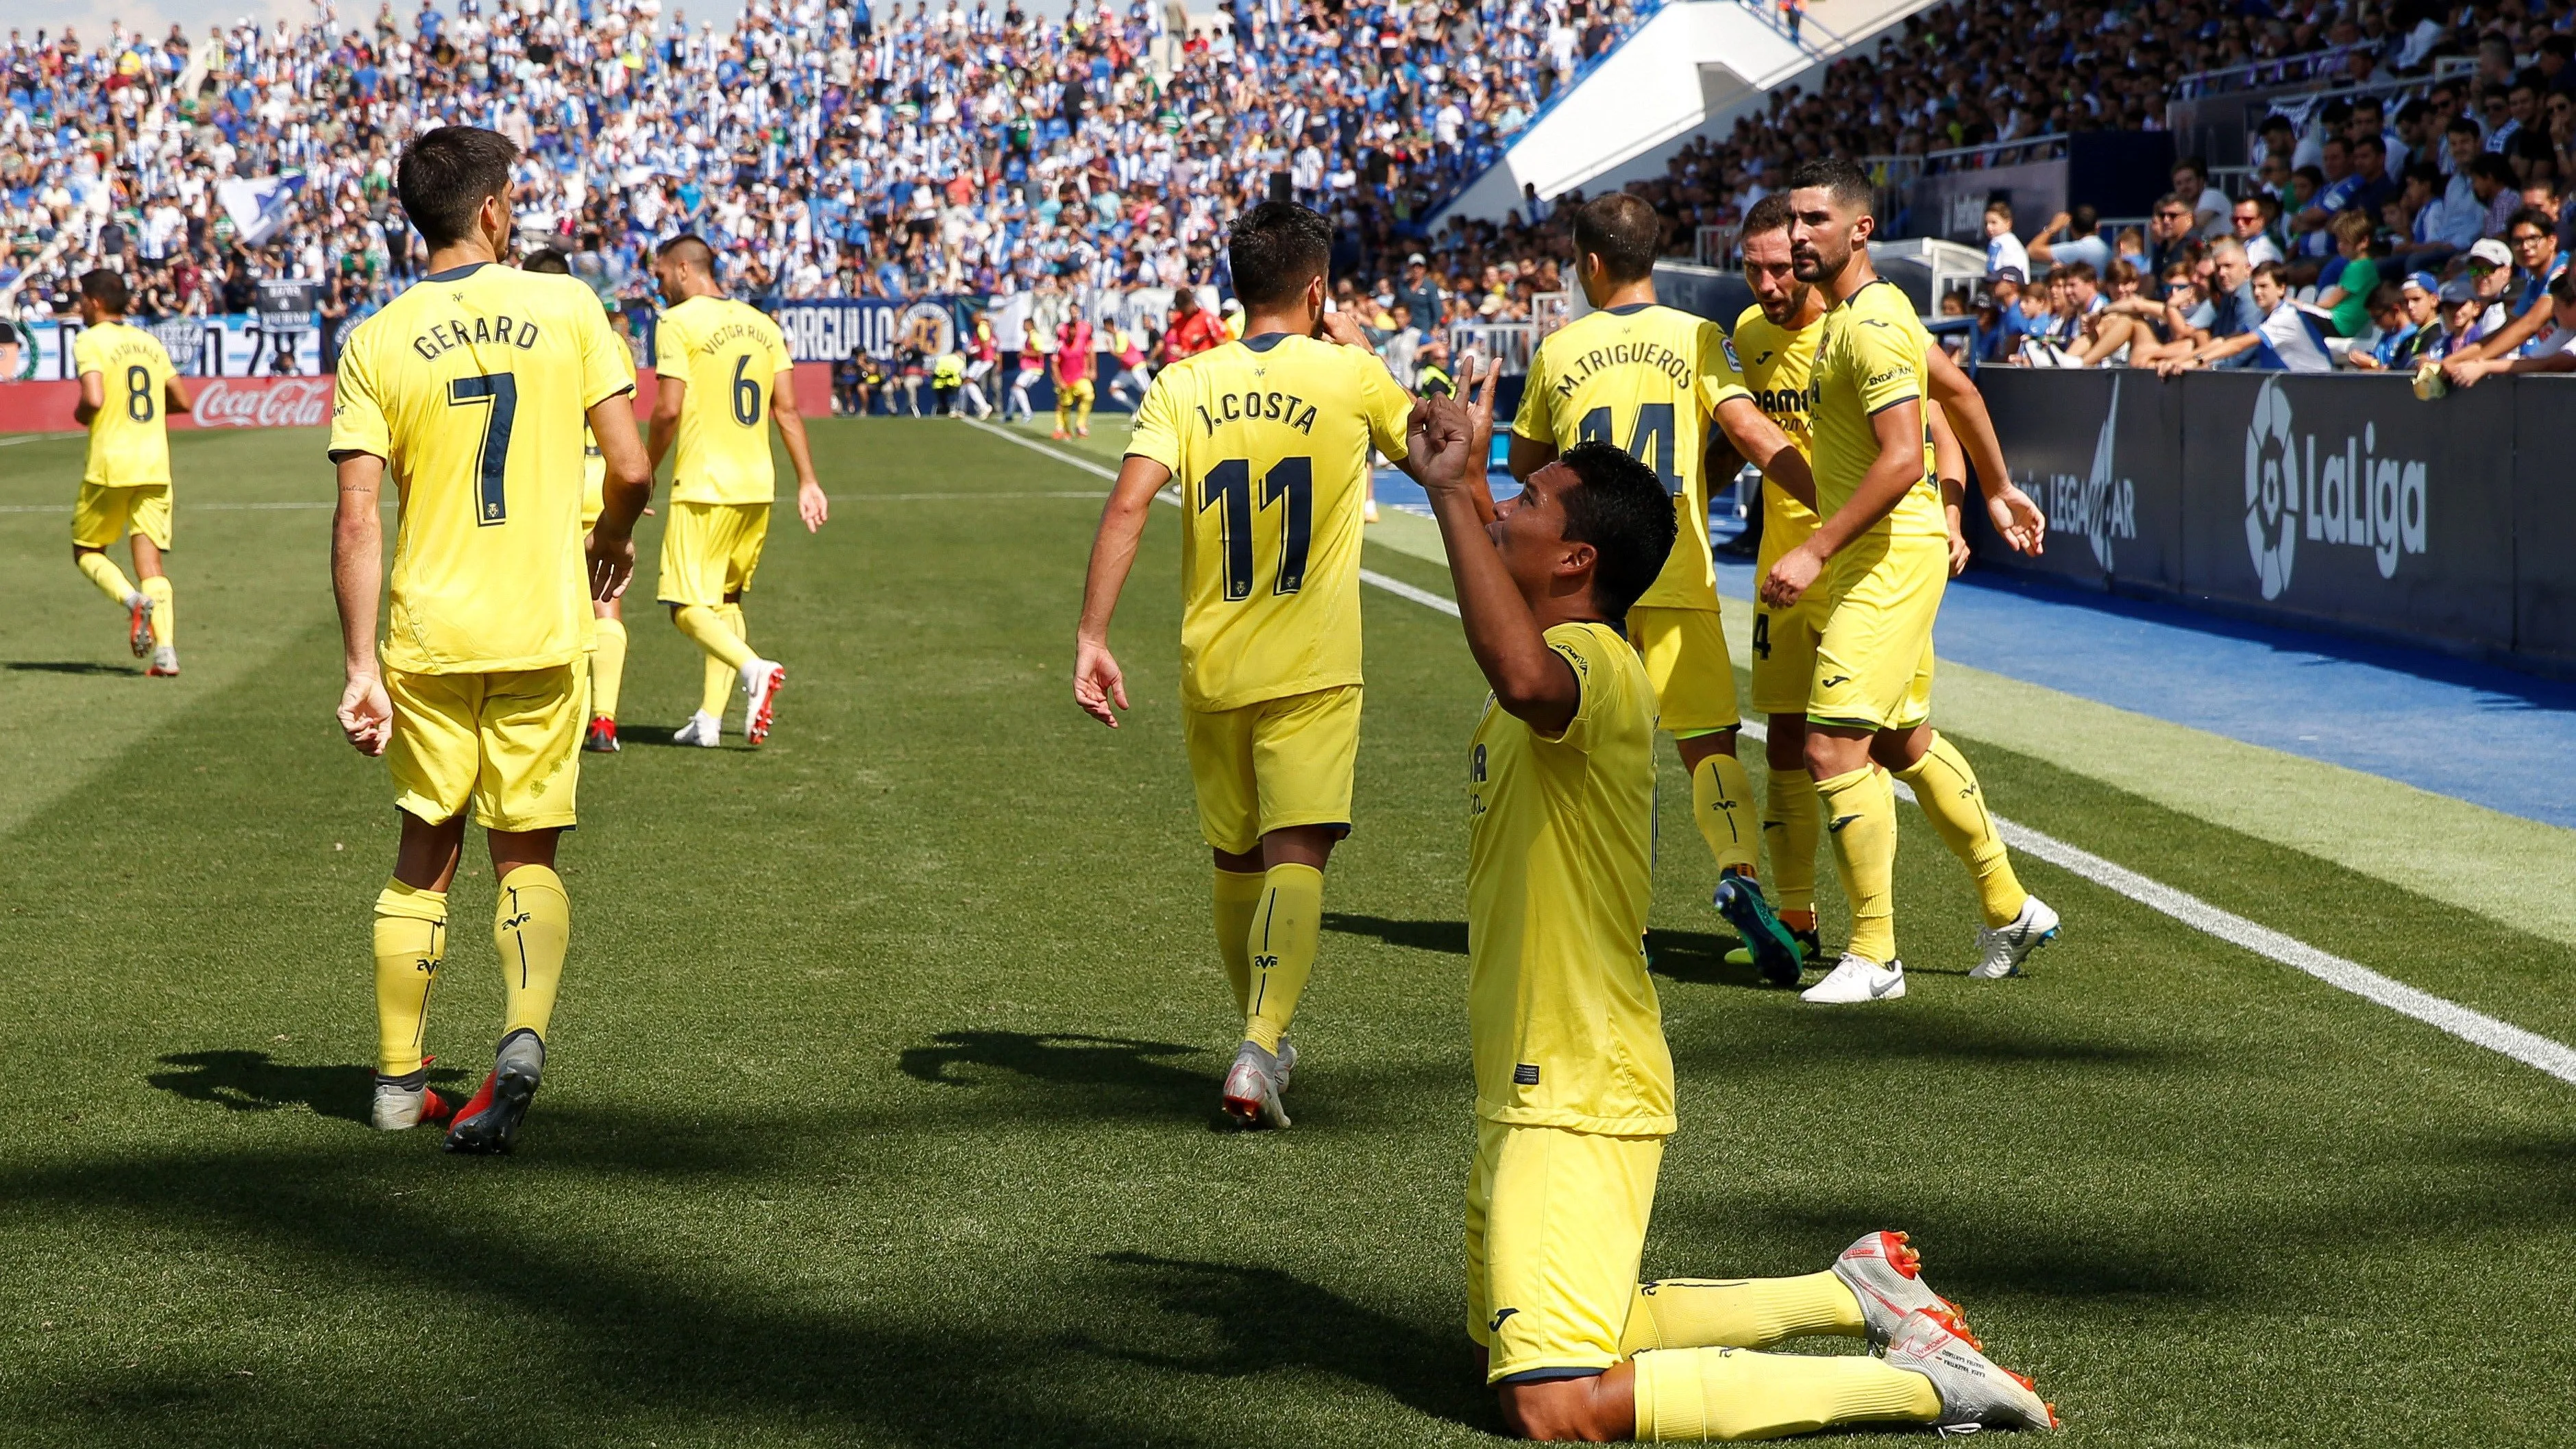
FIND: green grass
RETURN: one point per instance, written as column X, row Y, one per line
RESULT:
column 879, row 1103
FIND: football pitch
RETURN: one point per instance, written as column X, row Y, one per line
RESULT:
column 879, row 1107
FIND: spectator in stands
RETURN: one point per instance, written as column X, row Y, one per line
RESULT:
column 2112, row 324
column 1997, row 332
column 2207, row 204
column 2462, row 310
column 2003, row 249
column 2250, row 222
column 2222, row 332
column 2551, row 351
column 2538, row 263
column 2345, row 288
column 2404, row 323
column 2415, row 220
column 2372, row 186
column 2288, row 339
column 2078, row 242
column 2172, row 230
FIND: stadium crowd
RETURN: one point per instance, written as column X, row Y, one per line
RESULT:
column 832, row 150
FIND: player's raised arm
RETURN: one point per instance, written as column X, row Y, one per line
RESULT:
column 2013, row 513
column 1097, row 682
column 1531, row 682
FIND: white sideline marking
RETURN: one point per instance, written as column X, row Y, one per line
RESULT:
column 2529, row 1048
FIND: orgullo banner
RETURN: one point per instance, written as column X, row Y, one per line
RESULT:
column 831, row 331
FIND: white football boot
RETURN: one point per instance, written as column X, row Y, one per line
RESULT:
column 1858, row 978
column 761, row 680
column 402, row 1103
column 1887, row 1277
column 1252, row 1089
column 2001, row 950
column 1287, row 1061
column 702, row 729
column 165, row 662
column 1975, row 1392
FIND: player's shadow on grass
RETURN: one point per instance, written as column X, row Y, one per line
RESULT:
column 1260, row 1319
column 1699, row 957
column 65, row 666
column 1105, row 1074
column 1448, row 937
column 251, row 1081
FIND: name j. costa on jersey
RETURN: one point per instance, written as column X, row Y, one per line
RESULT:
column 1277, row 407
column 1653, row 355
column 498, row 330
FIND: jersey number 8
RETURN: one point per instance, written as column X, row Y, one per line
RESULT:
column 138, row 394
column 1290, row 483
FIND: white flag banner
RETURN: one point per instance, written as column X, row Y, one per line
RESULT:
column 258, row 206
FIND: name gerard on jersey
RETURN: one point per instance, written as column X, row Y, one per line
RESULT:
column 499, row 330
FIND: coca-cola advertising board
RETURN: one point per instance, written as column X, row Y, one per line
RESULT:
column 216, row 402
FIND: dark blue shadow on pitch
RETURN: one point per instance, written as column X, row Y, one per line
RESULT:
column 1446, row 937
column 253, row 1081
column 1108, row 1075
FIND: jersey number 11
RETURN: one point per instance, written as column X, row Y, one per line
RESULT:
column 1290, row 483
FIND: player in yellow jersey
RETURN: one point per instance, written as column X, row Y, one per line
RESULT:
column 1649, row 379
column 1268, row 439
column 1880, row 555
column 608, row 621
column 128, row 389
column 472, row 389
column 1574, row 1081
column 721, row 366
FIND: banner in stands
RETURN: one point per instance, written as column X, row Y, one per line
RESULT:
column 2333, row 500
column 234, row 345
column 831, row 331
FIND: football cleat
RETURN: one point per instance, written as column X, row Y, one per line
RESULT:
column 1887, row 1277
column 1082, row 432
column 1287, row 1061
column 702, row 729
column 1975, row 1392
column 1059, row 435
column 1858, row 978
column 165, row 662
column 1811, row 949
column 602, row 738
column 1252, row 1089
column 490, row 1119
column 406, row 1102
column 1739, row 900
column 2001, row 950
column 761, row 679
column 138, row 623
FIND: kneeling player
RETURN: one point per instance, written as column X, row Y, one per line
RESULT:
column 1574, row 1086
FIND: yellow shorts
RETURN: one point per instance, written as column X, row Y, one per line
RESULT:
column 1556, row 1223
column 1274, row 764
column 1068, row 393
column 1685, row 655
column 1784, row 664
column 508, row 743
column 102, row 514
column 1874, row 654
column 710, row 550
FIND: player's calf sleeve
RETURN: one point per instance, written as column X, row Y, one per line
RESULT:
column 1791, row 821
column 1947, row 790
column 1238, row 896
column 411, row 939
column 1738, row 1312
column 165, row 611
column 532, row 925
column 607, row 665
column 1722, row 803
column 1860, row 820
column 1281, row 944
column 101, row 570
column 1733, row 1393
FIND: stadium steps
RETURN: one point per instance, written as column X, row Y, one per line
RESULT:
column 1693, row 66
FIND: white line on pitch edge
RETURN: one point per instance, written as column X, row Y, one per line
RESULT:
column 2527, row 1047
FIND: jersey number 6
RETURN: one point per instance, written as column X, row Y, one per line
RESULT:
column 1290, row 483
column 746, row 394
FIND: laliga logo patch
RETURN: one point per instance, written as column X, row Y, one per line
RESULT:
column 2271, row 490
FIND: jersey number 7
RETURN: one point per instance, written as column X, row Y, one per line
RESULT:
column 498, row 391
column 1290, row 483
column 1649, row 442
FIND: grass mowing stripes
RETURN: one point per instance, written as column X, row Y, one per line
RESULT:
column 878, row 1108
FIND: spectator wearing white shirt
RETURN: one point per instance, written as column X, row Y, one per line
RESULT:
column 2003, row 249
column 2208, row 203
column 2079, row 242
column 2250, row 224
column 2290, row 338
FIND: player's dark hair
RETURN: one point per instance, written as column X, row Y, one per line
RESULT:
column 1840, row 178
column 1771, row 213
column 1275, row 249
column 1623, row 511
column 1623, row 231
column 107, row 289
column 549, row 260
column 689, row 250
column 447, row 175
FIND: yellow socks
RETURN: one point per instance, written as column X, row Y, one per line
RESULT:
column 411, row 937
column 726, row 650
column 102, row 571
column 1722, row 803
column 607, row 665
column 1947, row 790
column 1731, row 1393
column 1860, row 819
column 1738, row 1312
column 1063, row 413
column 1238, row 897
column 1791, row 821
column 165, row 611
column 1281, row 944
column 531, row 924
column 1082, row 412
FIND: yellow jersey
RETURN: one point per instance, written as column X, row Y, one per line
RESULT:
column 1647, row 378
column 1777, row 361
column 1268, row 441
column 129, row 440
column 1870, row 359
column 473, row 386
column 729, row 354
column 1566, row 1027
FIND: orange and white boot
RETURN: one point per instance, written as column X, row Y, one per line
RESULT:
column 1976, row 1392
column 1887, row 1277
